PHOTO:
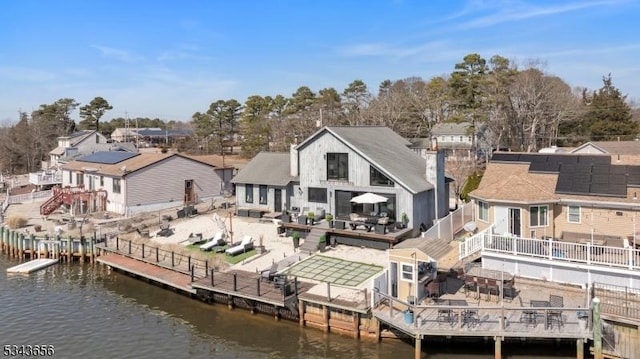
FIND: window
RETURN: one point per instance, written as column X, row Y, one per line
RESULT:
column 483, row 211
column 262, row 190
column 461, row 138
column 248, row 188
column 573, row 214
column 407, row 272
column 451, row 137
column 101, row 181
column 70, row 177
column 318, row 195
column 116, row 185
column 79, row 179
column 539, row 216
column 338, row 166
column 376, row 178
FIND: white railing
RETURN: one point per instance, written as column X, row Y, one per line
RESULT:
column 552, row 250
column 448, row 226
column 45, row 178
column 18, row 198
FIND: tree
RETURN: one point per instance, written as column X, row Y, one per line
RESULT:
column 608, row 116
column 356, row 98
column 224, row 116
column 92, row 112
column 254, row 125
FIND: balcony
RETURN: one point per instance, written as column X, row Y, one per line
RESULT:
column 45, row 178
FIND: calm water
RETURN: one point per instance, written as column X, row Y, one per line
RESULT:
column 88, row 311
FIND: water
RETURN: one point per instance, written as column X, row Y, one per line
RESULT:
column 87, row 311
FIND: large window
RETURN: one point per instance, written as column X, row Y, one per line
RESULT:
column 539, row 216
column 79, row 179
column 338, row 166
column 263, row 194
column 378, row 179
column 248, row 188
column 317, row 195
column 116, row 185
column 573, row 214
column 483, row 211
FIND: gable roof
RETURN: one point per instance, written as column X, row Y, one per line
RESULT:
column 450, row 128
column 129, row 165
column 267, row 168
column 512, row 182
column 611, row 147
column 385, row 150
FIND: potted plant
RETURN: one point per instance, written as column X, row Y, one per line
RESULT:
column 296, row 239
column 329, row 218
column 404, row 220
column 322, row 243
column 310, row 218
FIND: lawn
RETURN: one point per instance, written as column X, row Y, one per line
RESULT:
column 229, row 259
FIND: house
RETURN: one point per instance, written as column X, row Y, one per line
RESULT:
column 77, row 142
column 455, row 139
column 572, row 197
column 622, row 152
column 335, row 164
column 142, row 182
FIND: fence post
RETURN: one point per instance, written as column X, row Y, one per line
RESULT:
column 189, row 262
column 258, row 286
column 142, row 250
column 117, row 243
column 212, row 284
column 129, row 247
column 206, row 267
column 192, row 270
column 157, row 255
column 235, row 282
column 173, row 262
column 328, row 291
column 597, row 329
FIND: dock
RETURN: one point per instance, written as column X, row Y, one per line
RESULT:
column 32, row 266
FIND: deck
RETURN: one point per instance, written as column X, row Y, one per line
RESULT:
column 32, row 266
column 153, row 272
column 358, row 236
column 251, row 286
column 471, row 320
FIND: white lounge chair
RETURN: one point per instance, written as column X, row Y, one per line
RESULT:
column 217, row 240
column 245, row 245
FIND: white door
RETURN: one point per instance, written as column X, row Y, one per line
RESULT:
column 501, row 219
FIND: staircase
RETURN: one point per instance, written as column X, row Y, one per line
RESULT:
column 310, row 244
column 50, row 205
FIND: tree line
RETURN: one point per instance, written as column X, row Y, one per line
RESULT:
column 507, row 105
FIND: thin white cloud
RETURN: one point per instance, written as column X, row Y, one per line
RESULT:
column 119, row 54
column 17, row 73
column 516, row 11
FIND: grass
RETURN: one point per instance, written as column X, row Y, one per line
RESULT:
column 229, row 259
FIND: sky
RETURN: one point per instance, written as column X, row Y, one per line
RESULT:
column 169, row 59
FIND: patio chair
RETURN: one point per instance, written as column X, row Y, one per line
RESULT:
column 269, row 274
column 554, row 317
column 216, row 241
column 245, row 245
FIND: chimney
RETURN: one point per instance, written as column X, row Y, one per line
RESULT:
column 435, row 176
column 293, row 161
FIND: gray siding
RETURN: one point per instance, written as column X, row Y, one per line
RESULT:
column 313, row 173
column 164, row 182
column 270, row 205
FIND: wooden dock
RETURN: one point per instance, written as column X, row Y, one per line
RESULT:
column 164, row 276
column 32, row 266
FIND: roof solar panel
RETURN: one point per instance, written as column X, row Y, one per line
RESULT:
column 633, row 177
column 108, row 157
column 508, row 157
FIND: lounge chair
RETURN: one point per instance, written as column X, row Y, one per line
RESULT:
column 245, row 245
column 216, row 241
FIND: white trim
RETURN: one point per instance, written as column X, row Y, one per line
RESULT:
column 479, row 211
column 569, row 214
column 402, row 272
column 547, row 216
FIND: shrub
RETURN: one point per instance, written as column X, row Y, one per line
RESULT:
column 472, row 183
column 311, row 215
column 323, row 239
column 16, row 221
column 328, row 217
column 296, row 235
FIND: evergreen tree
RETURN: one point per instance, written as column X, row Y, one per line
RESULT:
column 608, row 116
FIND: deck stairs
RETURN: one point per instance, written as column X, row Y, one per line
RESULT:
column 50, row 205
column 310, row 244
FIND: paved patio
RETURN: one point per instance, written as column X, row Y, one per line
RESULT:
column 333, row 270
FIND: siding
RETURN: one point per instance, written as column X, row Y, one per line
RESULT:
column 164, row 181
column 313, row 173
column 604, row 221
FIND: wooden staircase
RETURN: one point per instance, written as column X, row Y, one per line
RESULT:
column 50, row 205
column 310, row 244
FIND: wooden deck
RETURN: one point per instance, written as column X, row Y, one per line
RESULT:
column 152, row 272
column 250, row 286
column 387, row 240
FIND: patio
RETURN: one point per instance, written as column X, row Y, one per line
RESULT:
column 333, row 270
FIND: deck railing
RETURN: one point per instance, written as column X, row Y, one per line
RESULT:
column 448, row 226
column 551, row 249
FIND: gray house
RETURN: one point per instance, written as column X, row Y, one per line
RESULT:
column 335, row 164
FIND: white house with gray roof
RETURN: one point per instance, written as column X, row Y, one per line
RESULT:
column 338, row 163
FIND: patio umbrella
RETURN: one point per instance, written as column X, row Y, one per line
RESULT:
column 369, row 198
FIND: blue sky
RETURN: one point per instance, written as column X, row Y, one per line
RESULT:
column 169, row 59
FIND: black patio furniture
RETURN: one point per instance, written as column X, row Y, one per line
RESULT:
column 554, row 316
column 470, row 318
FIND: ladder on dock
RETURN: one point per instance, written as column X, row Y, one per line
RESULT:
column 32, row 266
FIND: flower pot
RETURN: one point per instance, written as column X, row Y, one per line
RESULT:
column 296, row 242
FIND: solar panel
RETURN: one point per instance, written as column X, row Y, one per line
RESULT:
column 507, row 157
column 108, row 157
column 633, row 177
